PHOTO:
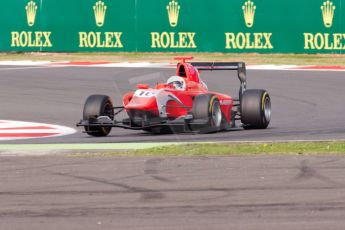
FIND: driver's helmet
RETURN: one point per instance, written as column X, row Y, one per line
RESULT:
column 178, row 82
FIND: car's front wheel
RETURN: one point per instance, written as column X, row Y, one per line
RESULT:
column 95, row 106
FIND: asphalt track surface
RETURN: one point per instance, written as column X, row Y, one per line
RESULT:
column 262, row 192
column 306, row 105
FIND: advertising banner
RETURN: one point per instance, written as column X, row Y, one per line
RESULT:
column 260, row 26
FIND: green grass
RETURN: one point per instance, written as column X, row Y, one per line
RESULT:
column 296, row 148
column 234, row 149
column 252, row 58
column 180, row 149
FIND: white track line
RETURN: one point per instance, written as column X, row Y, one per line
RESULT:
column 25, row 63
column 31, row 67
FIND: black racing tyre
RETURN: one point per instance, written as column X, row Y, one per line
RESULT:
column 95, row 106
column 255, row 109
column 207, row 107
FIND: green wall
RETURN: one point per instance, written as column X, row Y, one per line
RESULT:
column 203, row 26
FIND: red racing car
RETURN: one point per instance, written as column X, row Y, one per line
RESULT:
column 182, row 104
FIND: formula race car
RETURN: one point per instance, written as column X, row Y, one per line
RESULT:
column 182, row 104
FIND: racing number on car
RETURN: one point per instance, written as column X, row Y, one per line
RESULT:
column 144, row 93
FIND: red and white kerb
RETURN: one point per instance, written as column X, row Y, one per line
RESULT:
column 13, row 130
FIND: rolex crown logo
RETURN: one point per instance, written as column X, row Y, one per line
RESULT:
column 100, row 9
column 327, row 13
column 249, row 13
column 31, row 9
column 173, row 12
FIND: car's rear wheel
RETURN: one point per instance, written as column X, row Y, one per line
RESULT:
column 95, row 106
column 207, row 107
column 255, row 109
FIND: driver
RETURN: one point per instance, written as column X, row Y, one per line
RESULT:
column 178, row 82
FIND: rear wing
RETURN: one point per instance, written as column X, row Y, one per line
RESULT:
column 240, row 67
